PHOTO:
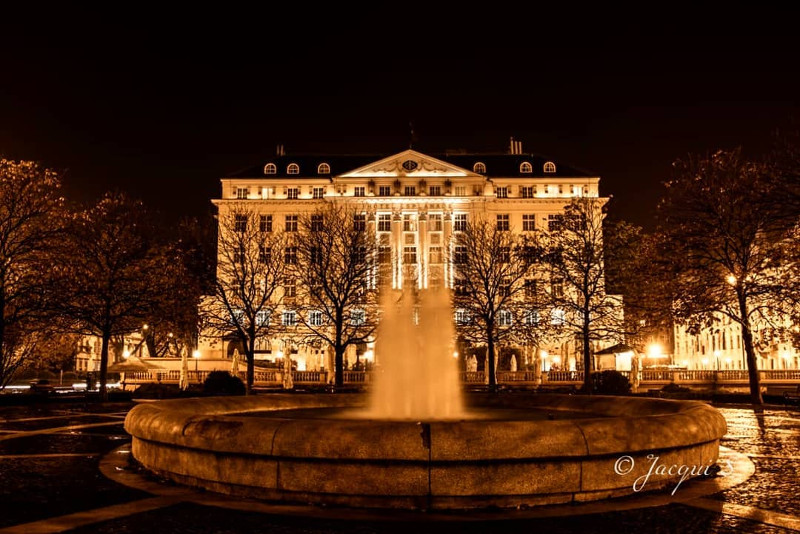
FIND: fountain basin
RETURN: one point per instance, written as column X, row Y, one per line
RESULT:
column 423, row 465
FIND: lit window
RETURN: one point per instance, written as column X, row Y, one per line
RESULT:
column 318, row 192
column 479, row 168
column 384, row 222
column 549, row 167
column 502, row 222
column 504, row 318
column 242, row 192
column 408, row 223
column 525, row 167
column 501, row 192
column 528, row 222
column 270, row 168
column 460, row 222
column 461, row 191
column 293, row 168
column 291, row 223
column 410, row 191
column 462, row 317
column 288, row 318
column 357, row 317
column 240, row 223
column 323, row 168
column 385, row 190
column 359, row 191
column 557, row 317
column 315, row 318
column 531, row 317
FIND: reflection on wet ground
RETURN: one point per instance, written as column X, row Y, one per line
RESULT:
column 49, row 465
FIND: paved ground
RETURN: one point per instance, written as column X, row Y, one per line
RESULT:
column 63, row 469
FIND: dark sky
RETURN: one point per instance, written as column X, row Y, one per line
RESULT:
column 164, row 104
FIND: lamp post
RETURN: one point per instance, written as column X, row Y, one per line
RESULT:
column 196, row 356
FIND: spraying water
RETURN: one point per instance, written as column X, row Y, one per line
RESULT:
column 417, row 376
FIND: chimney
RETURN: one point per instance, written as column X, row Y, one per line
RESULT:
column 515, row 147
column 279, row 150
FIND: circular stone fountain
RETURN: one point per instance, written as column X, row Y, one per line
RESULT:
column 502, row 451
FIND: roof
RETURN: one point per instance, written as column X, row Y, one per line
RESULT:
column 619, row 348
column 497, row 165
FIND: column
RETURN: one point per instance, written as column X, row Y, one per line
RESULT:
column 397, row 249
column 447, row 249
column 422, row 250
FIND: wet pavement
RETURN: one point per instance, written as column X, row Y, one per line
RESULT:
column 63, row 470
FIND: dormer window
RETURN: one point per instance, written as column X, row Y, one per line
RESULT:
column 270, row 168
column 323, row 168
column 479, row 168
column 549, row 167
column 293, row 168
column 526, row 167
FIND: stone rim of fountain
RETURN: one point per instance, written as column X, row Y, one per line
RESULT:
column 421, row 465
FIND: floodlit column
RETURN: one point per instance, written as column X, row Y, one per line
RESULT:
column 371, row 222
column 422, row 263
column 397, row 250
column 447, row 246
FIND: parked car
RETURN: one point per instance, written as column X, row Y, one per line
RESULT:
column 42, row 387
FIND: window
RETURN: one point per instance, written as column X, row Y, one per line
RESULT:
column 530, row 288
column 262, row 318
column 528, row 222
column 502, row 222
column 384, row 255
column 461, row 287
column 318, row 192
column 384, row 222
column 505, row 255
column 410, row 191
column 549, row 167
column 237, row 317
column 264, row 254
column 460, row 255
column 270, row 168
column 501, row 192
column 315, row 318
column 360, row 255
column 525, row 167
column 531, row 317
column 317, row 223
column 323, row 168
column 242, row 192
column 316, row 256
column 554, row 222
column 462, row 317
column 479, row 168
column 435, row 222
column 435, row 255
column 289, row 288
column 240, row 223
column 265, row 223
column 435, row 190
column 359, row 191
column 359, row 222
column 357, row 317
column 288, row 318
column 557, row 317
column 409, row 255
column 557, row 288
column 385, row 190
column 505, row 318
column 560, row 189
column 461, row 191
column 408, row 223
column 239, row 254
column 526, row 191
column 291, row 255
column 460, row 222
column 292, row 193
column 293, row 168
column 291, row 223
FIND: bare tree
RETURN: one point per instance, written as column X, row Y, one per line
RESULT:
column 576, row 266
column 335, row 273
column 492, row 265
column 251, row 274
column 727, row 237
column 30, row 219
column 111, row 273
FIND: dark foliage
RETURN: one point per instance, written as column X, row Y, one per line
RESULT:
column 610, row 383
column 222, row 383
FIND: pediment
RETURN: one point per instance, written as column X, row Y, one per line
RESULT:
column 412, row 164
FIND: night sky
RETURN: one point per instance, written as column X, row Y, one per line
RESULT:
column 162, row 105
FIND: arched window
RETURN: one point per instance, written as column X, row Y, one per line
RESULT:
column 293, row 168
column 549, row 167
column 479, row 168
column 270, row 168
column 324, row 168
column 525, row 167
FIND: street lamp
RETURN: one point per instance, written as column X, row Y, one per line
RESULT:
column 196, row 356
column 731, row 279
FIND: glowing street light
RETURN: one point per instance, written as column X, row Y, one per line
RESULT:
column 731, row 280
column 654, row 350
column 126, row 354
column 196, row 356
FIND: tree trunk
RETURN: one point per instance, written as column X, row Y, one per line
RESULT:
column 749, row 349
column 339, row 349
column 104, row 367
column 251, row 364
column 491, row 356
column 587, row 357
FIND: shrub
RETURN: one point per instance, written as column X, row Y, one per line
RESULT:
column 610, row 383
column 220, row 383
column 157, row 391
